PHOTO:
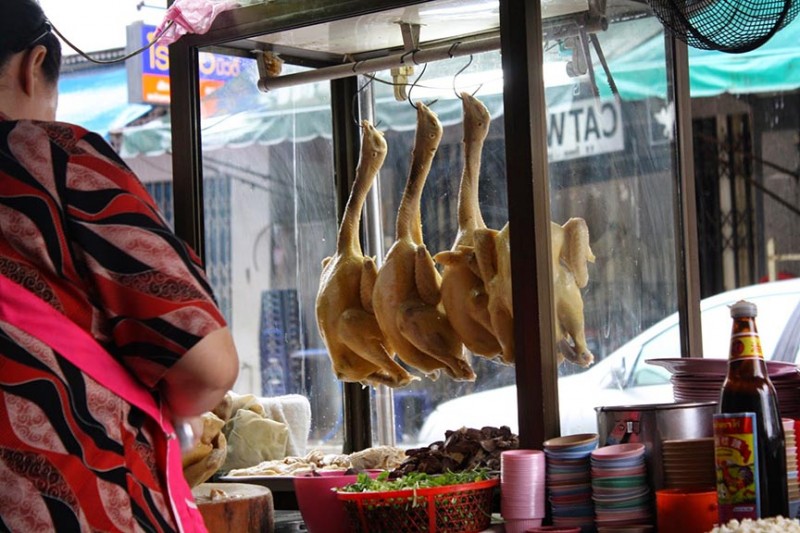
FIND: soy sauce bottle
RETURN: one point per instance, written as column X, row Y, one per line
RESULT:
column 748, row 389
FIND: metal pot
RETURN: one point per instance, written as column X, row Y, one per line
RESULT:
column 651, row 425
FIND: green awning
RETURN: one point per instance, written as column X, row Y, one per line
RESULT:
column 639, row 71
column 774, row 67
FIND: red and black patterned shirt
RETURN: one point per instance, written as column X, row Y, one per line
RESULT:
column 78, row 229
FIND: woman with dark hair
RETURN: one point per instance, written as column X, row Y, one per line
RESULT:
column 108, row 326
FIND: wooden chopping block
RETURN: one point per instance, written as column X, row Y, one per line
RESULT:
column 237, row 508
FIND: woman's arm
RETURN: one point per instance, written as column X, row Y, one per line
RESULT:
column 200, row 378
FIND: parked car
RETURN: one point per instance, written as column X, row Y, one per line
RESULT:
column 624, row 377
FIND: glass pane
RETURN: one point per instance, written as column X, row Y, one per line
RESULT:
column 617, row 174
column 611, row 164
column 419, row 409
column 270, row 219
column 270, row 206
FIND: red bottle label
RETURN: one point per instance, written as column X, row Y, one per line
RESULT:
column 736, row 460
column 746, row 345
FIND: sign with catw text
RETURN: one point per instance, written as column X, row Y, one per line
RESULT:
column 584, row 128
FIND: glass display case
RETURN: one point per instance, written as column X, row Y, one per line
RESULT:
column 588, row 104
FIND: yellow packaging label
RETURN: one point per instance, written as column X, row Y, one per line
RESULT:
column 745, row 345
column 736, row 460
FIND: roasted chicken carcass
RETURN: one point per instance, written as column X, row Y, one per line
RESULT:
column 463, row 294
column 570, row 254
column 358, row 349
column 570, row 246
column 493, row 255
column 407, row 296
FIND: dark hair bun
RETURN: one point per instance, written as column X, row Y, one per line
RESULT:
column 20, row 20
column 22, row 24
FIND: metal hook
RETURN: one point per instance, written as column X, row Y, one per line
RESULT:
column 414, row 83
column 354, row 106
column 452, row 49
column 465, row 67
column 409, row 53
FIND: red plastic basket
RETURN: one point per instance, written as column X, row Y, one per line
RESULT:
column 464, row 508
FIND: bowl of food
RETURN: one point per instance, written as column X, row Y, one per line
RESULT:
column 316, row 497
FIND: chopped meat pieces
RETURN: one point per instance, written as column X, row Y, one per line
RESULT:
column 462, row 449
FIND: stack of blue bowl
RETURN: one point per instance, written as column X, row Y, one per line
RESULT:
column 569, row 480
column 620, row 491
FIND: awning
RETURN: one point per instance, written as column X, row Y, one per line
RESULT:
column 774, row 67
column 273, row 127
column 639, row 72
column 97, row 99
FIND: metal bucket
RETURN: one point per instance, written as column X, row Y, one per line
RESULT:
column 652, row 424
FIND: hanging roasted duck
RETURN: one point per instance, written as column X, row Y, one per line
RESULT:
column 463, row 293
column 407, row 295
column 493, row 256
column 358, row 349
column 570, row 254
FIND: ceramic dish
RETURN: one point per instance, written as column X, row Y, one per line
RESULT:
column 695, row 366
column 572, row 442
column 619, row 451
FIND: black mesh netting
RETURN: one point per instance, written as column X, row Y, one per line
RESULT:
column 733, row 26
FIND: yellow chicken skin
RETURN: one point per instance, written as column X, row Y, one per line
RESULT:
column 493, row 255
column 357, row 347
column 407, row 292
column 570, row 245
column 463, row 294
column 570, row 253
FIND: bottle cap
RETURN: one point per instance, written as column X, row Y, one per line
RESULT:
column 743, row 308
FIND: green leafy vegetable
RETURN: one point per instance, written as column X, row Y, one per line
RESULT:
column 413, row 481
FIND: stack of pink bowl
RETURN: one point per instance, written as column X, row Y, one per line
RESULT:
column 522, row 489
column 619, row 486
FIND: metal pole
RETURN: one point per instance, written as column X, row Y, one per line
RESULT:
column 687, row 254
column 346, row 142
column 187, row 181
column 366, row 66
column 374, row 247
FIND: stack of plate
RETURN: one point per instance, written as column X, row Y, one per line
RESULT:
column 620, row 491
column 569, row 479
column 688, row 463
column 700, row 380
column 791, row 459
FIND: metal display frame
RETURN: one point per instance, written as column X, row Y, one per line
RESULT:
column 521, row 38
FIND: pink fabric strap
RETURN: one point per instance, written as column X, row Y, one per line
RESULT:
column 26, row 311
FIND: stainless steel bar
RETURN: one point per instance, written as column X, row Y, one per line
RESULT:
column 687, row 254
column 346, row 144
column 425, row 55
column 373, row 246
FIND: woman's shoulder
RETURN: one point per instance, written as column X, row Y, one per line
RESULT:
column 63, row 134
column 58, row 129
column 72, row 139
